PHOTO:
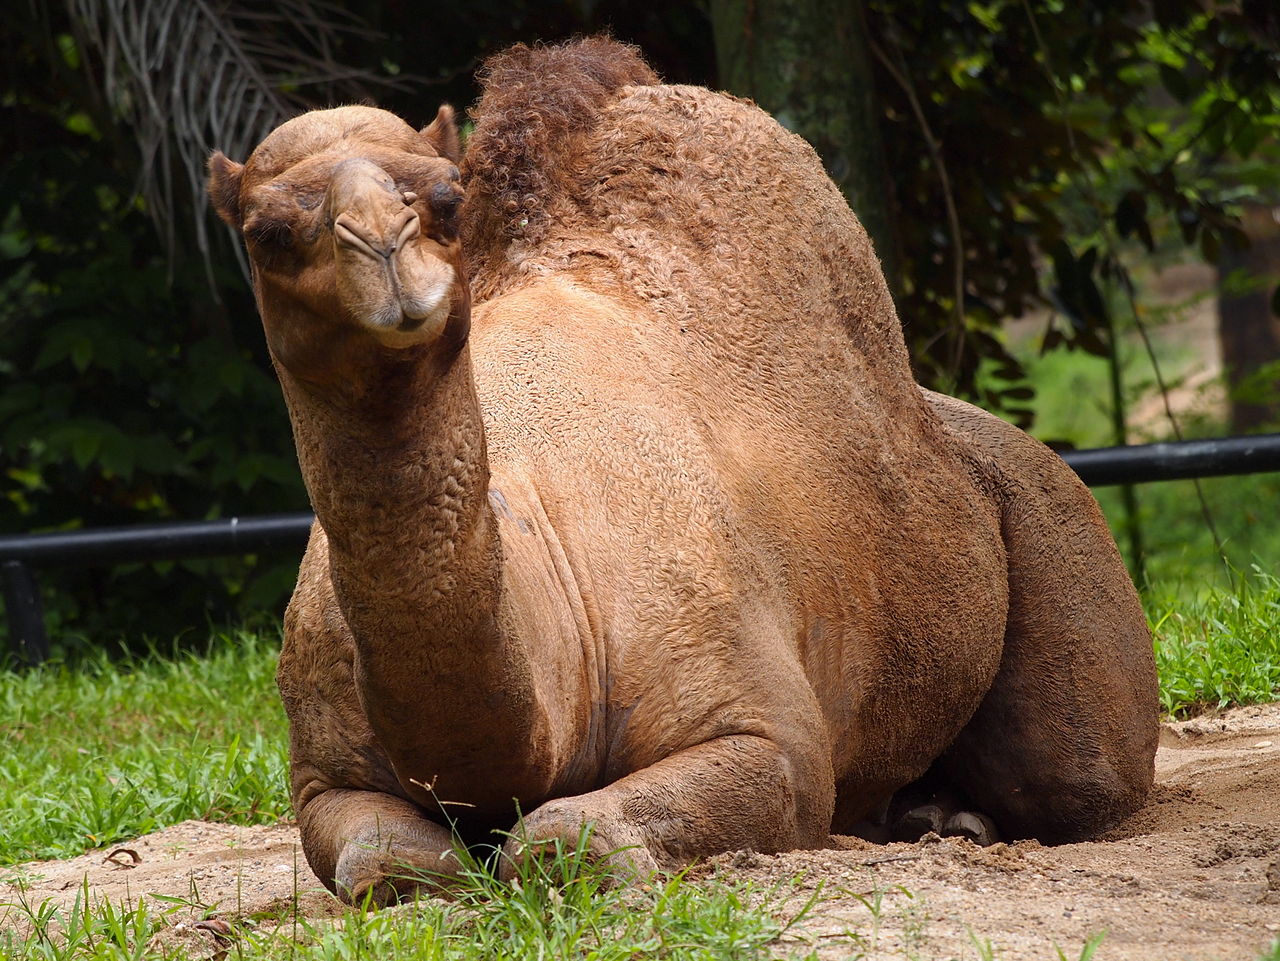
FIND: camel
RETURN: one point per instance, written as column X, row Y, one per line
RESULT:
column 630, row 514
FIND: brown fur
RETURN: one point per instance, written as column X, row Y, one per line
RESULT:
column 672, row 543
column 537, row 102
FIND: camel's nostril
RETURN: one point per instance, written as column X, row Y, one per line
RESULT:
column 349, row 232
column 410, row 229
column 357, row 234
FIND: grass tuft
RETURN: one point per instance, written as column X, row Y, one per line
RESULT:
column 1221, row 648
column 562, row 906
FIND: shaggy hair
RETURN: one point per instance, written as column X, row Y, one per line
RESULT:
column 535, row 101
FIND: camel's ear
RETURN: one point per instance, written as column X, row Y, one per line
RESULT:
column 442, row 134
column 224, row 187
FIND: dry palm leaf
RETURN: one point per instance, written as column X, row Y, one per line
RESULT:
column 188, row 75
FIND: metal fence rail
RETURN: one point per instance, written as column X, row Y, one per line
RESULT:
column 1175, row 460
column 122, row 545
column 1140, row 463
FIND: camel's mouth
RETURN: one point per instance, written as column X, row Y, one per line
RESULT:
column 389, row 280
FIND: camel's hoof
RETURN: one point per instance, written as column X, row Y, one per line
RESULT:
column 558, row 832
column 978, row 828
column 919, row 821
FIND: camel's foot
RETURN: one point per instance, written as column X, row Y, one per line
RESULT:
column 365, row 845
column 941, row 815
column 916, row 822
column 387, row 875
column 560, row 836
column 974, row 825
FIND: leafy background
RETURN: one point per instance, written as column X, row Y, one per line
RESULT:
column 1038, row 156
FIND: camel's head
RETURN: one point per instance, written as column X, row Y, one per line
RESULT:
column 350, row 218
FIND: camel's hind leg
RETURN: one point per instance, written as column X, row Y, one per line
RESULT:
column 1063, row 746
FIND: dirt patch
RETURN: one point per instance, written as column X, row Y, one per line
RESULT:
column 1196, row 874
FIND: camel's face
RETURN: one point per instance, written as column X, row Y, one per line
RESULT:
column 350, row 220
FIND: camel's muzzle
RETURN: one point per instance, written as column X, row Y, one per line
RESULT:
column 387, row 279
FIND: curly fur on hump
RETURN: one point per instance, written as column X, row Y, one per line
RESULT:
column 534, row 101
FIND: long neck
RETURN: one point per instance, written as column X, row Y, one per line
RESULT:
column 398, row 474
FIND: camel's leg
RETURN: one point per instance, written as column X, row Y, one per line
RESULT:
column 367, row 844
column 734, row 792
column 1063, row 746
column 360, row 835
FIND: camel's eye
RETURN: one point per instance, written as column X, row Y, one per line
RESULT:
column 270, row 232
column 444, row 201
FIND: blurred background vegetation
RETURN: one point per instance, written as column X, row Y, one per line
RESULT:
column 1031, row 171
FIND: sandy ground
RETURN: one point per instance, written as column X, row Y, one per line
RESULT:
column 1195, row 875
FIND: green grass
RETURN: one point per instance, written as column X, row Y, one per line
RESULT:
column 1180, row 555
column 1220, row 649
column 104, row 750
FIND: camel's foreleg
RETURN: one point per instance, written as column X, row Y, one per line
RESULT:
column 368, row 844
column 730, row 793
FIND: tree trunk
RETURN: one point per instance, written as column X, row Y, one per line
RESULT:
column 1247, row 329
column 807, row 62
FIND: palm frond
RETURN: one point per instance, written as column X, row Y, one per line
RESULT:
column 189, row 75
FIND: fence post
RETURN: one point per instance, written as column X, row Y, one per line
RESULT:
column 26, row 614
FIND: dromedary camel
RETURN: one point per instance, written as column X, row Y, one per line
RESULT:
column 660, row 536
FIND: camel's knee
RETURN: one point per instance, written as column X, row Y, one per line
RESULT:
column 363, row 844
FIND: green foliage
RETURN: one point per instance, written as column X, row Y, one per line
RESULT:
column 1180, row 556
column 131, row 394
column 105, row 751
column 1068, row 130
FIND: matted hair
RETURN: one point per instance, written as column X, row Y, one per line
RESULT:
column 534, row 101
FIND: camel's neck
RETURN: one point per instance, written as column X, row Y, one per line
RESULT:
column 398, row 475
column 396, row 467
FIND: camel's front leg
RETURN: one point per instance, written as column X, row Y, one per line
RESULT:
column 365, row 843
column 727, row 794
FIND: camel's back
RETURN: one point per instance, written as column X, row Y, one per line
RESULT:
column 749, row 289
column 689, row 349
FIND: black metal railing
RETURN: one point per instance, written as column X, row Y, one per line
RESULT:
column 20, row 554
column 125, row 545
